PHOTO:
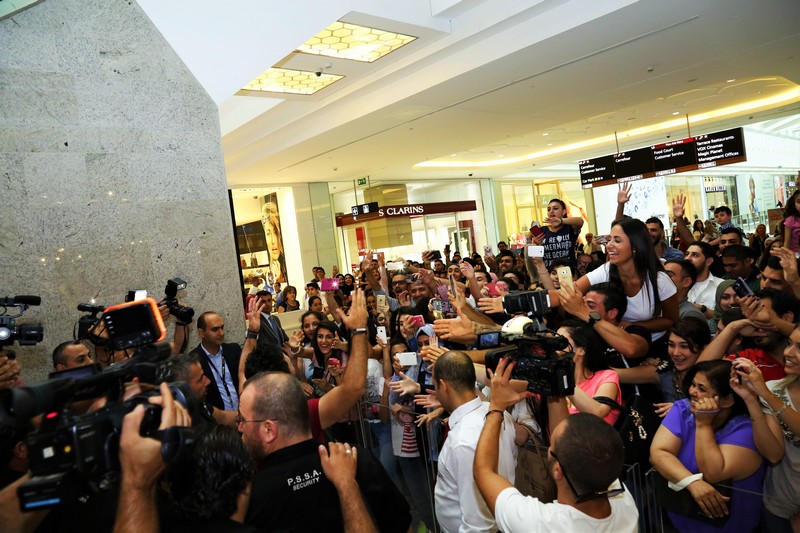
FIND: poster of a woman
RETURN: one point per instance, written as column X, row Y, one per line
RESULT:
column 270, row 218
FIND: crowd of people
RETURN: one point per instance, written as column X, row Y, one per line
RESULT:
column 379, row 412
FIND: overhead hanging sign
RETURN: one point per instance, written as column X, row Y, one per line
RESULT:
column 704, row 151
column 406, row 210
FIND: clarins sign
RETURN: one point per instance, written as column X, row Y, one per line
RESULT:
column 408, row 210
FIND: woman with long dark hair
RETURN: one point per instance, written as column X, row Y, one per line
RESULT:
column 633, row 265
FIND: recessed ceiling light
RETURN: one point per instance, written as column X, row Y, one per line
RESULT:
column 453, row 155
column 549, row 144
column 350, row 41
column 545, row 134
column 281, row 80
column 676, row 112
column 731, row 80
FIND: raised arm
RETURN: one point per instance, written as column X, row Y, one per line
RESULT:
column 678, row 214
column 340, row 469
column 623, row 195
column 254, row 307
column 334, row 405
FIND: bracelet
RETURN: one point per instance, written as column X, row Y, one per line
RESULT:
column 358, row 331
column 685, row 482
column 494, row 411
column 780, row 412
column 250, row 335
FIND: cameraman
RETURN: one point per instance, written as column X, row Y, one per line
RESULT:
column 586, row 458
column 71, row 354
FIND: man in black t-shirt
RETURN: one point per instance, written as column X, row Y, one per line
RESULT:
column 290, row 490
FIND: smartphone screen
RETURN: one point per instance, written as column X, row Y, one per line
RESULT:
column 407, row 358
column 487, row 250
column 435, row 254
column 442, row 290
column 452, row 285
column 565, row 276
column 742, row 289
column 329, row 284
column 381, row 300
column 489, row 340
column 381, row 333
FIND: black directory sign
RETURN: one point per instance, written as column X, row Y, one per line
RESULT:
column 597, row 170
column 364, row 209
column 703, row 151
column 721, row 148
column 674, row 157
column 633, row 165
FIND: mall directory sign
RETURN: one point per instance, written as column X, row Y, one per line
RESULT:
column 704, row 151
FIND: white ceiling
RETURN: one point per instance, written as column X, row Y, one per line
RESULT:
column 485, row 80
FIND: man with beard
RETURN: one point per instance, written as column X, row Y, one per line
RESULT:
column 763, row 346
column 656, row 230
column 704, row 291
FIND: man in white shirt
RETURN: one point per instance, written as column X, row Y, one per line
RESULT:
column 459, row 506
column 703, row 292
column 586, row 459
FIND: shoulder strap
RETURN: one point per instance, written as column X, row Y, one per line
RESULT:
column 532, row 434
column 609, row 402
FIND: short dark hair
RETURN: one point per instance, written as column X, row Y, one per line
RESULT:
column 736, row 251
column 562, row 262
column 201, row 320
column 613, row 297
column 502, row 242
column 263, row 293
column 782, row 302
column 505, row 253
column 207, row 485
column 511, row 282
column 457, row 369
column 312, row 284
column 723, row 209
column 694, row 331
column 279, row 397
column 559, row 201
column 587, row 338
column 179, row 367
column 265, row 357
column 687, row 268
column 591, row 453
column 705, row 248
column 58, row 352
column 655, row 220
column 732, row 229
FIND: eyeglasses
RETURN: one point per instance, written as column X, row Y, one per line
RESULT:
column 611, row 491
column 241, row 420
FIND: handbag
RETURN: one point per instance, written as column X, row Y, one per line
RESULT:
column 533, row 476
column 681, row 502
column 637, row 425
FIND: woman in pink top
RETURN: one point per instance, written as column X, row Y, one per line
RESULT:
column 791, row 223
column 592, row 374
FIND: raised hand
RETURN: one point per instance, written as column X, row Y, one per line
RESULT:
column 679, row 206
column 503, row 394
column 254, row 308
column 356, row 316
column 624, row 192
column 428, row 401
column 405, row 386
column 339, row 463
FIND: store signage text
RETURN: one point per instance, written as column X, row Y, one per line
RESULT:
column 407, row 210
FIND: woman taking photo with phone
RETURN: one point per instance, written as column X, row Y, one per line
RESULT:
column 560, row 236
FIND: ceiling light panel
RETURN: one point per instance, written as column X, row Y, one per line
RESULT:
column 359, row 43
column 281, row 80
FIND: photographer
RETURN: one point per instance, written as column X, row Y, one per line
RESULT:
column 587, row 457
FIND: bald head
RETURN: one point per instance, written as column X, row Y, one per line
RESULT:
column 278, row 396
column 456, row 368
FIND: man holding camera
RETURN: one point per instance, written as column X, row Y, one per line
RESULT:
column 586, row 457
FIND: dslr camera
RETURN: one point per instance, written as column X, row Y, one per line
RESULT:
column 24, row 334
column 534, row 348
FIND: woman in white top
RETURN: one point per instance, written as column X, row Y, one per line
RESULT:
column 633, row 264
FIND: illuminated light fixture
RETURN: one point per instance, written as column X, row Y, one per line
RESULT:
column 359, row 43
column 676, row 113
column 789, row 96
column 282, row 80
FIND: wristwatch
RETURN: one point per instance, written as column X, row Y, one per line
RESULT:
column 594, row 318
column 703, row 309
column 358, row 331
column 251, row 335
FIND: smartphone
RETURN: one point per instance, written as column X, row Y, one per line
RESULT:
column 375, row 256
column 329, row 284
column 417, row 320
column 742, row 289
column 565, row 276
column 452, row 285
column 492, row 288
column 407, row 358
column 434, row 255
column 536, row 230
column 395, row 265
column 134, row 324
column 381, row 333
column 487, row 250
column 535, row 251
column 489, row 340
column 602, row 239
column 438, row 309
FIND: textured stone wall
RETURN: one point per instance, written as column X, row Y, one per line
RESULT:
column 111, row 169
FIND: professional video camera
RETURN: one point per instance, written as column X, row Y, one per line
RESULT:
column 25, row 334
column 82, row 329
column 181, row 312
column 534, row 350
column 72, row 454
